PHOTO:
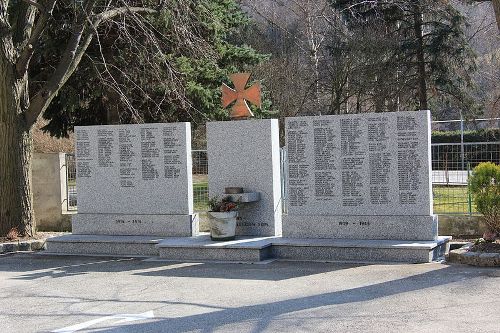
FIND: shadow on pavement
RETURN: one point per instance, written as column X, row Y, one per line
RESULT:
column 261, row 315
column 40, row 266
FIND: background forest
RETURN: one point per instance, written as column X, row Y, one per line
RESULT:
column 313, row 57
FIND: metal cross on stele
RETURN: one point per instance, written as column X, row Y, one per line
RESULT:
column 240, row 109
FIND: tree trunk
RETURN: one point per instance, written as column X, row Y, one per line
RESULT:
column 16, row 197
column 422, row 85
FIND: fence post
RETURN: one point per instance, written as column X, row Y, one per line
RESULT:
column 469, row 196
column 67, row 169
column 462, row 150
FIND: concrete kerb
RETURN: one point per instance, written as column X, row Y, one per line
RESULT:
column 26, row 245
column 464, row 256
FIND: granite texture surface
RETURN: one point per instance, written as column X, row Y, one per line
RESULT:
column 103, row 245
column 247, row 154
column 134, row 169
column 356, row 250
column 146, row 225
column 214, row 254
column 363, row 164
column 244, row 197
column 360, row 250
column 102, row 249
column 362, row 243
column 105, row 239
column 204, row 241
column 361, row 227
column 351, row 254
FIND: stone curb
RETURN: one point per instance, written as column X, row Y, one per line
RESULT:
column 29, row 245
column 463, row 256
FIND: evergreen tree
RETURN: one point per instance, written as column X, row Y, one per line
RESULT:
column 419, row 56
column 119, row 82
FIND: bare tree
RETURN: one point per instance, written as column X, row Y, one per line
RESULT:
column 303, row 26
column 22, row 28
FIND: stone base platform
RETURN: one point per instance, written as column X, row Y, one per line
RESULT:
column 258, row 249
column 243, row 249
column 251, row 249
column 103, row 245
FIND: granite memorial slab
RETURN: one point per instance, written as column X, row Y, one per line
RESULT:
column 364, row 176
column 134, row 180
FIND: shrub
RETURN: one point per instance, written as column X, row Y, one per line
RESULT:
column 222, row 205
column 482, row 135
column 485, row 187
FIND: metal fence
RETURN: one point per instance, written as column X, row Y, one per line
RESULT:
column 200, row 180
column 452, row 164
column 465, row 124
column 71, row 203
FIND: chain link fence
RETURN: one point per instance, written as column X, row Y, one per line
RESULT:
column 71, row 201
column 200, row 180
column 452, row 164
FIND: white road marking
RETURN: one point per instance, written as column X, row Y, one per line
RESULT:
column 122, row 318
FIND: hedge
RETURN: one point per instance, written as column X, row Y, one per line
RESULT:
column 482, row 135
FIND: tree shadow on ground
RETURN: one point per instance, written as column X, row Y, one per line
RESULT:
column 41, row 266
column 261, row 315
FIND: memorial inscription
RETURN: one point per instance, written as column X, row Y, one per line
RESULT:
column 134, row 169
column 368, row 164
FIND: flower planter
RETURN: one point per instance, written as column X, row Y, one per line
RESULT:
column 222, row 225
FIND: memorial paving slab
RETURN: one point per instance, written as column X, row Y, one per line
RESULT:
column 76, row 294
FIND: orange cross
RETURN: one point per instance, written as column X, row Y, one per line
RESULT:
column 241, row 95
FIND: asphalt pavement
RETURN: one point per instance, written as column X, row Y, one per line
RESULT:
column 77, row 294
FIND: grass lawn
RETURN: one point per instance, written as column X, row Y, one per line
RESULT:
column 451, row 200
column 447, row 199
column 200, row 196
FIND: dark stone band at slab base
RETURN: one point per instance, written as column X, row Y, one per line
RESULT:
column 223, row 239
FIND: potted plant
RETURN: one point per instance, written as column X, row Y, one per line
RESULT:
column 222, row 216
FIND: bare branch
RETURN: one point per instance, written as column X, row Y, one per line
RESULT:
column 35, row 4
column 4, row 18
column 28, row 50
column 81, row 38
column 109, row 14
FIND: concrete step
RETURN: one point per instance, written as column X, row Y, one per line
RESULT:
column 103, row 245
column 251, row 249
column 247, row 249
column 363, row 251
column 243, row 249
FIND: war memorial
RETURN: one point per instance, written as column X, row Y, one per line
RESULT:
column 349, row 188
